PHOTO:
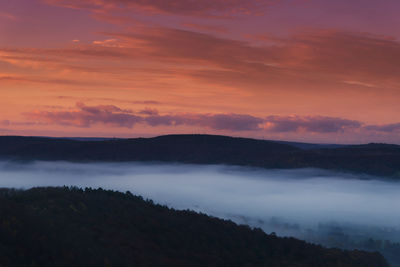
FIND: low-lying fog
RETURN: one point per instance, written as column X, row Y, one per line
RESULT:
column 302, row 203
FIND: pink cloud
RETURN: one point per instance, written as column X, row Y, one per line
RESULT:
column 207, row 28
column 388, row 128
column 108, row 99
column 4, row 122
column 8, row 16
column 33, row 79
column 308, row 60
column 177, row 7
column 325, row 57
column 101, row 109
column 230, row 122
column 86, row 116
column 149, row 111
column 316, row 124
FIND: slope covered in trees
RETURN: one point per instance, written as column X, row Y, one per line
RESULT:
column 375, row 159
column 74, row 227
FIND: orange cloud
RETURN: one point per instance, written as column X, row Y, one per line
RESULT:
column 178, row 7
column 207, row 28
column 190, row 68
column 324, row 56
column 108, row 43
column 317, row 57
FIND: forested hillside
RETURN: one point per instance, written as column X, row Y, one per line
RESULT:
column 74, row 227
column 374, row 159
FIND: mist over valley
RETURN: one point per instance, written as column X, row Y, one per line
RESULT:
column 330, row 208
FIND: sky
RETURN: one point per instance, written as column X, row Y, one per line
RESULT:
column 303, row 70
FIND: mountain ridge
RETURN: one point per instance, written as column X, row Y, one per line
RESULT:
column 373, row 159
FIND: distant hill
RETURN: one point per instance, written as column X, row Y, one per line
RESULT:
column 74, row 227
column 374, row 159
column 309, row 146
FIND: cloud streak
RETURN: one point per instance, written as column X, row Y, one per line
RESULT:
column 8, row 16
column 329, row 55
column 4, row 122
column 86, row 116
column 204, row 8
column 306, row 61
column 247, row 72
column 316, row 124
column 388, row 128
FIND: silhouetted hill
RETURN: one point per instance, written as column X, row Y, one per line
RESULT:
column 309, row 146
column 375, row 159
column 74, row 227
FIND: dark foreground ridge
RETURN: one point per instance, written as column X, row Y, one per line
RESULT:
column 74, row 227
column 374, row 159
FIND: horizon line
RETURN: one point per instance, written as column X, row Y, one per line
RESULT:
column 76, row 138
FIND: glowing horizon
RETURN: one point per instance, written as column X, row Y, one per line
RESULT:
column 301, row 70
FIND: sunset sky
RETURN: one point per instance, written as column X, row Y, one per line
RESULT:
column 318, row 71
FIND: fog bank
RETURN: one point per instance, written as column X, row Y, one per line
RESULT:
column 289, row 202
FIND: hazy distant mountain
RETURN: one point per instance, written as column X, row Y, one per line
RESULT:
column 375, row 159
column 73, row 227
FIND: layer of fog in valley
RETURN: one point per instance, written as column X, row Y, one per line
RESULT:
column 333, row 209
